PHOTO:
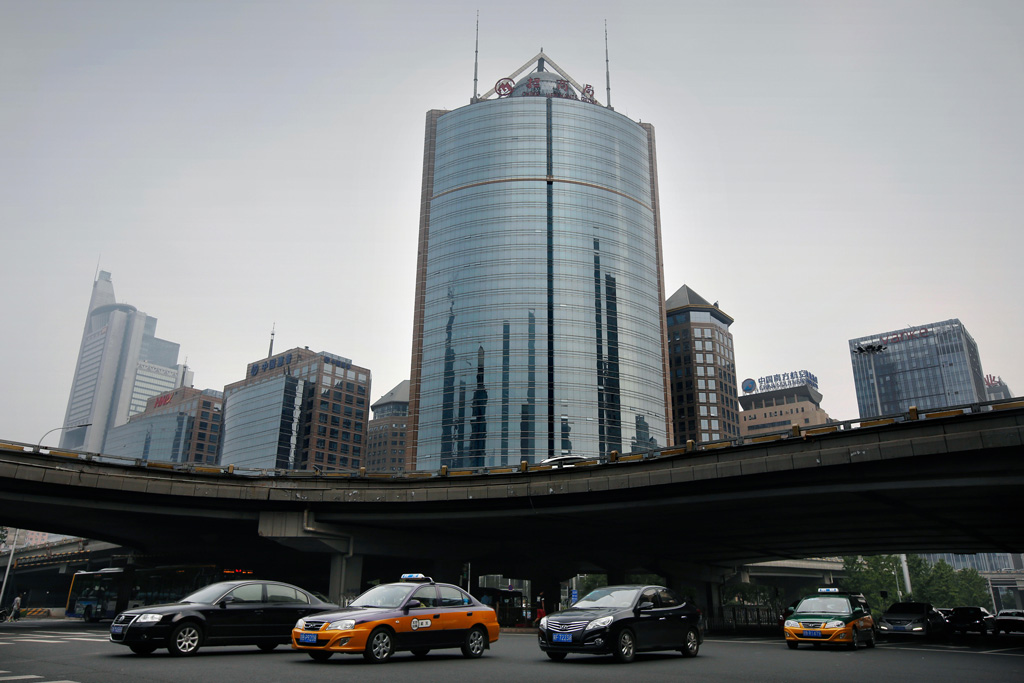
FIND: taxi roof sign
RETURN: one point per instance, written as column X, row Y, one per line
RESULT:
column 828, row 590
column 416, row 577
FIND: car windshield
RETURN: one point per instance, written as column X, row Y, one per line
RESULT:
column 209, row 594
column 967, row 611
column 390, row 595
column 908, row 608
column 608, row 597
column 824, row 605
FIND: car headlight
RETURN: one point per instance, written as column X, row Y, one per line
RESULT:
column 543, row 622
column 301, row 624
column 599, row 623
column 792, row 623
column 835, row 624
column 143, row 618
column 341, row 625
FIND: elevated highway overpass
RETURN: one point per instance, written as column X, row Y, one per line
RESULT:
column 948, row 482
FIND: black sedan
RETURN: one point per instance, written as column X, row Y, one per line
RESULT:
column 260, row 613
column 912, row 619
column 966, row 619
column 621, row 621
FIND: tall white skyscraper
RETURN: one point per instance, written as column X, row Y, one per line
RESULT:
column 121, row 364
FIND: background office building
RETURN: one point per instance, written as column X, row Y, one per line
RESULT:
column 297, row 410
column 702, row 369
column 183, row 426
column 775, row 403
column 539, row 320
column 121, row 365
column 996, row 388
column 930, row 366
column 387, row 433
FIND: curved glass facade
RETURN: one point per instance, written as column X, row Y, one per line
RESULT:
column 539, row 321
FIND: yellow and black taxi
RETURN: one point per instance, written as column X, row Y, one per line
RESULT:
column 415, row 614
column 831, row 617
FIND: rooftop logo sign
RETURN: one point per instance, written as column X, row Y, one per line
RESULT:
column 785, row 380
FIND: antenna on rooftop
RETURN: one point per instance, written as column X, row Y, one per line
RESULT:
column 476, row 58
column 607, row 70
column 272, row 328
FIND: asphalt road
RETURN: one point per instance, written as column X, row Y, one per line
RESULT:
column 66, row 651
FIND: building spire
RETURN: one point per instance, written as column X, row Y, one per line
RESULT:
column 607, row 70
column 271, row 351
column 476, row 59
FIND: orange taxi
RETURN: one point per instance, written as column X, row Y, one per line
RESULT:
column 415, row 615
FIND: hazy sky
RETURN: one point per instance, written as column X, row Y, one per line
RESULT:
column 828, row 170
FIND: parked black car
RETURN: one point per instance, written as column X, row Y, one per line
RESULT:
column 623, row 620
column 966, row 619
column 912, row 619
column 1009, row 620
column 260, row 613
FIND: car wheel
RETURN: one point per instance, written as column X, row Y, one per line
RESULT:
column 185, row 639
column 267, row 647
column 379, row 646
column 142, row 649
column 556, row 656
column 691, row 643
column 874, row 637
column 625, row 646
column 792, row 644
column 420, row 652
column 854, row 639
column 476, row 643
column 320, row 655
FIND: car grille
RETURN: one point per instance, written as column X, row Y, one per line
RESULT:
column 314, row 625
column 125, row 619
column 567, row 627
column 899, row 622
column 812, row 624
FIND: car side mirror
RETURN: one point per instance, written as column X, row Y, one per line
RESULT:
column 413, row 604
column 645, row 605
column 224, row 602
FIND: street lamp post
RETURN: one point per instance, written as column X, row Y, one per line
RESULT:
column 55, row 429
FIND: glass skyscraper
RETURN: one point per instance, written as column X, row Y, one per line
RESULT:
column 930, row 366
column 121, row 364
column 539, row 325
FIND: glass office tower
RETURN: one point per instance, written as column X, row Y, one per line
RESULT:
column 931, row 366
column 539, row 319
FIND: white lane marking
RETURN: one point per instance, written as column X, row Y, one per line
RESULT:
column 18, row 678
column 91, row 640
column 37, row 640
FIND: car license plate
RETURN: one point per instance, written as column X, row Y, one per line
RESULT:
column 812, row 634
column 561, row 637
column 899, row 628
column 116, row 629
column 307, row 638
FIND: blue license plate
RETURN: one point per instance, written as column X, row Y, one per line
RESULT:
column 812, row 634
column 116, row 629
column 561, row 637
column 307, row 638
column 899, row 628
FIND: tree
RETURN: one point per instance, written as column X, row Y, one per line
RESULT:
column 938, row 584
column 3, row 535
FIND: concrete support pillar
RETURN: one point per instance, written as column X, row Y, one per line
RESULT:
column 346, row 577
